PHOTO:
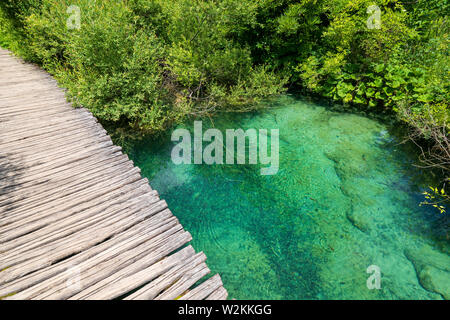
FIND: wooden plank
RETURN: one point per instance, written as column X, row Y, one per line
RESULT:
column 43, row 257
column 42, row 216
column 61, row 163
column 46, row 193
column 141, row 255
column 188, row 279
column 115, row 259
column 66, row 190
column 122, row 241
column 141, row 271
column 62, row 228
column 132, row 205
column 219, row 294
column 154, row 288
column 203, row 290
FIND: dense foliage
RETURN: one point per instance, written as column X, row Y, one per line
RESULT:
column 145, row 64
column 150, row 62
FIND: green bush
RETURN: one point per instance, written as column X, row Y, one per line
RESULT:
column 148, row 64
column 12, row 25
column 17, row 11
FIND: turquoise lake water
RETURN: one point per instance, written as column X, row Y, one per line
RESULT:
column 346, row 197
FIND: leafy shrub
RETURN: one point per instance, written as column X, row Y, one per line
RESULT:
column 17, row 11
column 147, row 64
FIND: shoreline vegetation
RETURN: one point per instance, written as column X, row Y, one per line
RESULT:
column 144, row 66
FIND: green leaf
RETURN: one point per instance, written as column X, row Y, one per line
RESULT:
column 379, row 67
column 395, row 84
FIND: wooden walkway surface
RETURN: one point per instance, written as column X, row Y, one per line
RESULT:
column 77, row 220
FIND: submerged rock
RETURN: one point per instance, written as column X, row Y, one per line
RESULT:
column 435, row 280
column 432, row 268
column 359, row 220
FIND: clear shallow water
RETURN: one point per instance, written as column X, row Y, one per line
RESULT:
column 345, row 198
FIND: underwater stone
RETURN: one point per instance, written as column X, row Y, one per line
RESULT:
column 435, row 280
column 432, row 268
column 358, row 220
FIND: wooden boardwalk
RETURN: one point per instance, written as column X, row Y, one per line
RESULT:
column 77, row 220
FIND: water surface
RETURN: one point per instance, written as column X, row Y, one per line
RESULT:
column 346, row 197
